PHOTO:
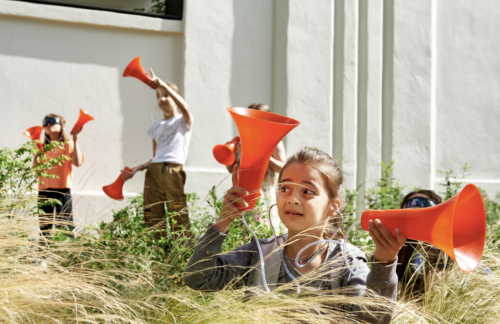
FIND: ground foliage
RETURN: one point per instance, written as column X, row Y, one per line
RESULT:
column 122, row 272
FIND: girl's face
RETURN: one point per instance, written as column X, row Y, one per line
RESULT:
column 165, row 101
column 52, row 129
column 303, row 202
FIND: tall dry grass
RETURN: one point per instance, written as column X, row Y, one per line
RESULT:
column 83, row 281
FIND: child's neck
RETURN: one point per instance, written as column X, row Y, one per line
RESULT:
column 297, row 241
column 170, row 114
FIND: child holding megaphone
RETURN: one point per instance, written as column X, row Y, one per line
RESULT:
column 165, row 177
column 308, row 201
column 59, row 188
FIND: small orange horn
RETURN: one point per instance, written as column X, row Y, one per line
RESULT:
column 135, row 69
column 82, row 120
column 35, row 134
column 224, row 154
column 115, row 190
column 457, row 226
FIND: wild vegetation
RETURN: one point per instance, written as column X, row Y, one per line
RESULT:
column 121, row 272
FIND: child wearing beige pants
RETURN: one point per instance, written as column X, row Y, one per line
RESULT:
column 165, row 179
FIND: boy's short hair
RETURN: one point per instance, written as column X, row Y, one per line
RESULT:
column 260, row 106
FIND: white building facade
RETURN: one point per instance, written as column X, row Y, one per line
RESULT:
column 370, row 80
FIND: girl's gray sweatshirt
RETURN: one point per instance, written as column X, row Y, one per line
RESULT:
column 209, row 270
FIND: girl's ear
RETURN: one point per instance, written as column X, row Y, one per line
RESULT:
column 335, row 206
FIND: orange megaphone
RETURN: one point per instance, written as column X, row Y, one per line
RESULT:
column 457, row 226
column 260, row 133
column 224, row 154
column 115, row 190
column 35, row 133
column 135, row 69
column 82, row 120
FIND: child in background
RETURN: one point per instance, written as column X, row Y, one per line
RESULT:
column 59, row 188
column 309, row 196
column 165, row 178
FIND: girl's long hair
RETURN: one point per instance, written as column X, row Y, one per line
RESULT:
column 63, row 136
column 332, row 174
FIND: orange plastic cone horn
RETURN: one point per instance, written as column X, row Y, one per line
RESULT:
column 260, row 133
column 224, row 154
column 135, row 69
column 457, row 226
column 115, row 190
column 35, row 133
column 82, row 120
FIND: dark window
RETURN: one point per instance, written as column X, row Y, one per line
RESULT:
column 167, row 9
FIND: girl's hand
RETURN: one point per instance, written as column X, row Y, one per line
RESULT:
column 386, row 245
column 156, row 81
column 126, row 175
column 75, row 134
column 232, row 199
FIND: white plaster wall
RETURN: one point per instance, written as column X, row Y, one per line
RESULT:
column 50, row 66
column 412, row 90
column 410, row 81
column 468, row 98
column 228, row 55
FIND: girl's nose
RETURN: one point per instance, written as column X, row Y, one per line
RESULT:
column 293, row 200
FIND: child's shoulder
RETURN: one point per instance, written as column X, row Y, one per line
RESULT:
column 271, row 240
column 352, row 249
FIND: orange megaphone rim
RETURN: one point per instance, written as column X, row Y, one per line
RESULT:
column 35, row 134
column 457, row 226
column 224, row 154
column 135, row 69
column 82, row 120
column 115, row 190
column 260, row 132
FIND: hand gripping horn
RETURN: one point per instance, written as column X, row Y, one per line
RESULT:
column 82, row 120
column 115, row 190
column 457, row 226
column 260, row 133
column 224, row 154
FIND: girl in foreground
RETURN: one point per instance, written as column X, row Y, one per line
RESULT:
column 310, row 185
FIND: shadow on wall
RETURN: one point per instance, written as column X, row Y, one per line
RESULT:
column 252, row 53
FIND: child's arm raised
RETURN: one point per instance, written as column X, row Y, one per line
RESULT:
column 381, row 278
column 179, row 101
column 208, row 269
column 230, row 210
column 386, row 245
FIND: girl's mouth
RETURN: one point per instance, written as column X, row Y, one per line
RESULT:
column 293, row 213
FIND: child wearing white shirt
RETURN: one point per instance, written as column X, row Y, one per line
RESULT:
column 165, row 178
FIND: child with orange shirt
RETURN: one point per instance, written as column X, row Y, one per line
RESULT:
column 60, row 187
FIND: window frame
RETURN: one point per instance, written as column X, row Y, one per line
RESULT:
column 175, row 14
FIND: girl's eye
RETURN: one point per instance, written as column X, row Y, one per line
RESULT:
column 284, row 189
column 309, row 192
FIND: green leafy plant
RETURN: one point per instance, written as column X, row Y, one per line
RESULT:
column 453, row 182
column 388, row 193
column 158, row 7
column 20, row 171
